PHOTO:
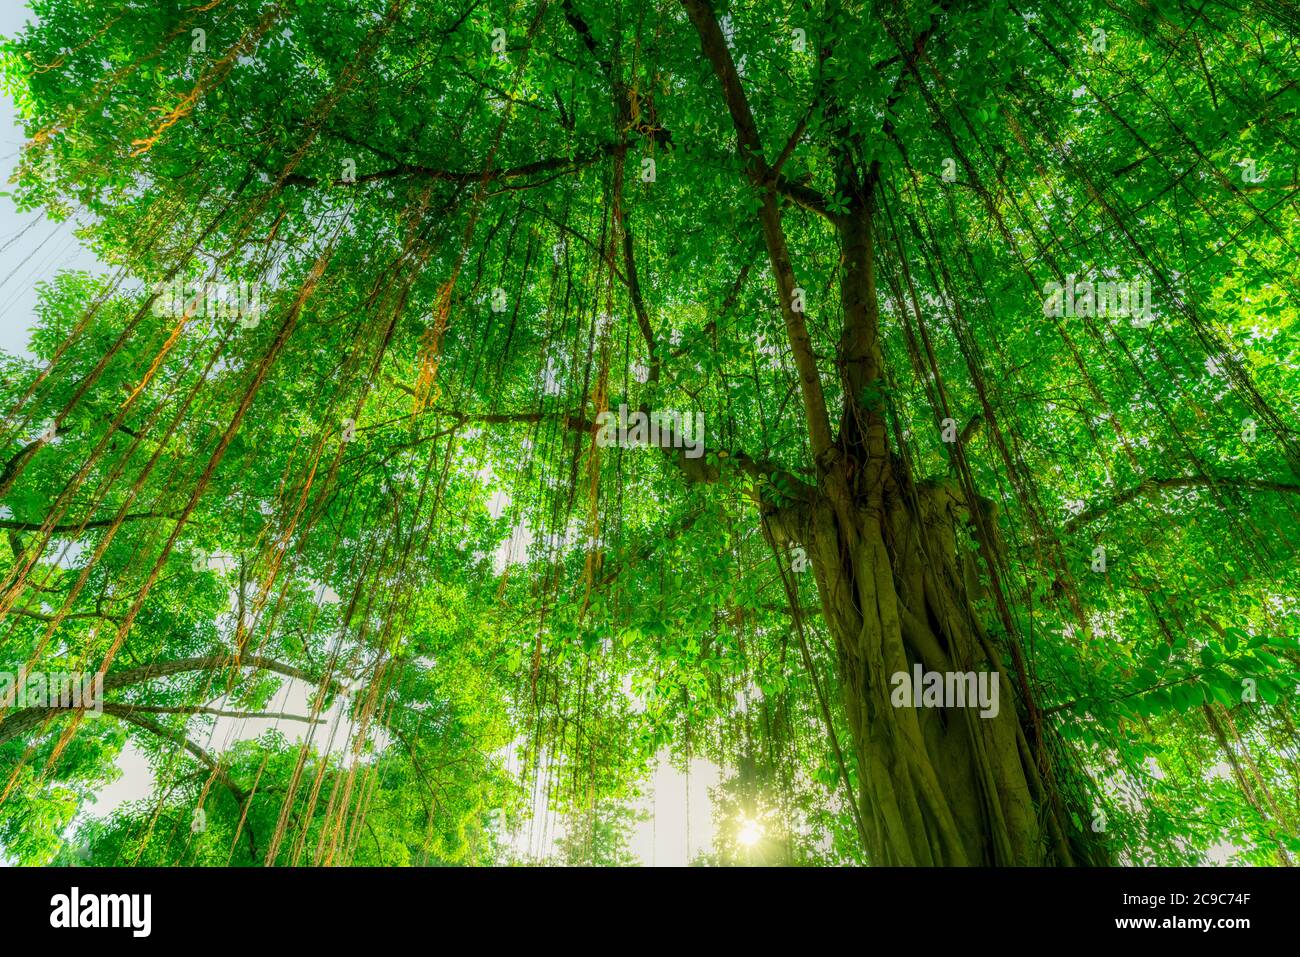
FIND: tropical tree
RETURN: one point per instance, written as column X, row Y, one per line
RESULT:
column 567, row 383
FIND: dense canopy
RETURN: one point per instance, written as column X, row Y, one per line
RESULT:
column 487, row 402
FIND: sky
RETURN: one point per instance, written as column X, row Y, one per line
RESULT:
column 34, row 247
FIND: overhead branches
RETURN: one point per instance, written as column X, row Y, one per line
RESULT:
column 23, row 720
column 750, row 148
column 1152, row 486
column 553, row 164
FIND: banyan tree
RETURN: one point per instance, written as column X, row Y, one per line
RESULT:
column 479, row 404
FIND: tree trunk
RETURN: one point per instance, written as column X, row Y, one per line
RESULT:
column 897, row 577
column 937, row 785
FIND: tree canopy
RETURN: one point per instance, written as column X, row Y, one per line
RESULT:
column 980, row 317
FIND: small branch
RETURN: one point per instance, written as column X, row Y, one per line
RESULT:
column 149, row 724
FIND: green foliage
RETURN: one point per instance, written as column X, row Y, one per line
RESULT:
column 385, row 486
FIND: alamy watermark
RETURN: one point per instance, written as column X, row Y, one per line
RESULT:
column 73, row 690
column 663, row 429
column 75, row 909
column 946, row 689
column 212, row 300
column 1129, row 299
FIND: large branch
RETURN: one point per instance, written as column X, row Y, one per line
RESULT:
column 1152, row 485
column 805, row 196
column 560, row 164
column 81, row 526
column 25, row 719
column 163, row 669
column 750, row 147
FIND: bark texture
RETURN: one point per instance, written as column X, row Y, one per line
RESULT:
column 937, row 786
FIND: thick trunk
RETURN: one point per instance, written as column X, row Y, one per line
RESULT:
column 937, row 784
column 943, row 783
column 955, row 785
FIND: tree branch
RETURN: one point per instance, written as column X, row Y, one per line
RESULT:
column 79, row 526
column 466, row 177
column 218, row 712
column 24, row 719
column 714, row 47
column 1152, row 485
column 164, row 669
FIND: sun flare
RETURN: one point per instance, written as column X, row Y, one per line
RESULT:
column 750, row 832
